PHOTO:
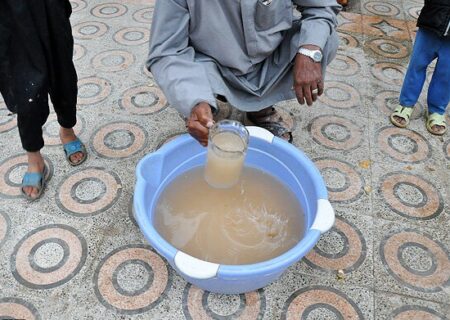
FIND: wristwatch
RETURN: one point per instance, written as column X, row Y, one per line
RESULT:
column 316, row 55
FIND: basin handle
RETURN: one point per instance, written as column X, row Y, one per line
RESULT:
column 261, row 133
column 324, row 216
column 195, row 268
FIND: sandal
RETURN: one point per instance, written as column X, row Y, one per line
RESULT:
column 36, row 180
column 436, row 119
column 73, row 147
column 403, row 113
column 273, row 121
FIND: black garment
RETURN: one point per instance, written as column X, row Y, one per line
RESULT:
column 36, row 48
column 435, row 16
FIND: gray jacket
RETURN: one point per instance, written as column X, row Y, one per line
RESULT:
column 242, row 49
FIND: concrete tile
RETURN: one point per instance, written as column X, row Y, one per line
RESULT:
column 386, row 27
column 344, row 253
column 412, row 10
column 393, row 306
column 412, row 260
column 295, row 295
column 386, row 9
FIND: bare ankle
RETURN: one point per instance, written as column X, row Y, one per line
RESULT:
column 35, row 161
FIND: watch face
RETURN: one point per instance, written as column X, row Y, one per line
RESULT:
column 317, row 56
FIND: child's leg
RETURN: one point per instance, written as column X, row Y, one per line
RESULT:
column 25, row 82
column 58, row 41
column 425, row 51
column 62, row 75
column 439, row 90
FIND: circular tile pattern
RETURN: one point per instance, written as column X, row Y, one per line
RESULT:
column 78, row 51
column 118, row 140
column 348, row 40
column 12, row 170
column 433, row 278
column 389, row 73
column 199, row 304
column 113, row 60
column 335, row 132
column 403, row 145
column 388, row 48
column 410, row 312
column 16, row 308
column 78, row 5
column 411, row 196
column 320, row 298
column 89, row 30
column 414, row 12
column 144, row 15
column 50, row 130
column 447, row 149
column 388, row 100
column 116, row 283
column 45, row 269
column 348, row 244
column 7, row 121
column 343, row 65
column 93, row 90
column 132, row 36
column 343, row 182
column 88, row 191
column 109, row 10
column 379, row 8
column 131, row 212
column 340, row 95
column 5, row 224
column 143, row 100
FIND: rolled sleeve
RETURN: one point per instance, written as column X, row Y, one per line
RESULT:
column 172, row 61
column 318, row 21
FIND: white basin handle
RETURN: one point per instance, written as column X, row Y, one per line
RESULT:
column 261, row 133
column 324, row 216
column 195, row 268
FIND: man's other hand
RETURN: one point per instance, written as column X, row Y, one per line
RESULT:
column 199, row 122
column 308, row 82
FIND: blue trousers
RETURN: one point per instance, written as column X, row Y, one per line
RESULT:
column 427, row 47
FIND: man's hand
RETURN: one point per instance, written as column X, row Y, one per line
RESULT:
column 308, row 82
column 199, row 122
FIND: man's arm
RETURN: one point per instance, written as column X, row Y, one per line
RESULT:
column 171, row 59
column 319, row 19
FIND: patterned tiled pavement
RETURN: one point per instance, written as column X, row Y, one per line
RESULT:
column 78, row 254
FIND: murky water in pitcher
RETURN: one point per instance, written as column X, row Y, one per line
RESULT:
column 255, row 220
column 225, row 160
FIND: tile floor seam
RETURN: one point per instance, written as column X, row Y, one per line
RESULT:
column 412, row 297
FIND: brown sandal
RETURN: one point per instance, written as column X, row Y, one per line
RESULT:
column 278, row 124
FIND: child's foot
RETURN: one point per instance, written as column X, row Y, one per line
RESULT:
column 401, row 115
column 66, row 136
column 436, row 124
column 35, row 165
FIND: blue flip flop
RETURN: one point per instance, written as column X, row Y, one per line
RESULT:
column 36, row 180
column 73, row 147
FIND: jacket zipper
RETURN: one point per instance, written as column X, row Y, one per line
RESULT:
column 448, row 29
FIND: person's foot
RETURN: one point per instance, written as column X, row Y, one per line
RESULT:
column 280, row 124
column 401, row 116
column 400, row 120
column 436, row 123
column 35, row 165
column 66, row 136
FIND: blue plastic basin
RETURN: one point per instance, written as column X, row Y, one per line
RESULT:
column 266, row 152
